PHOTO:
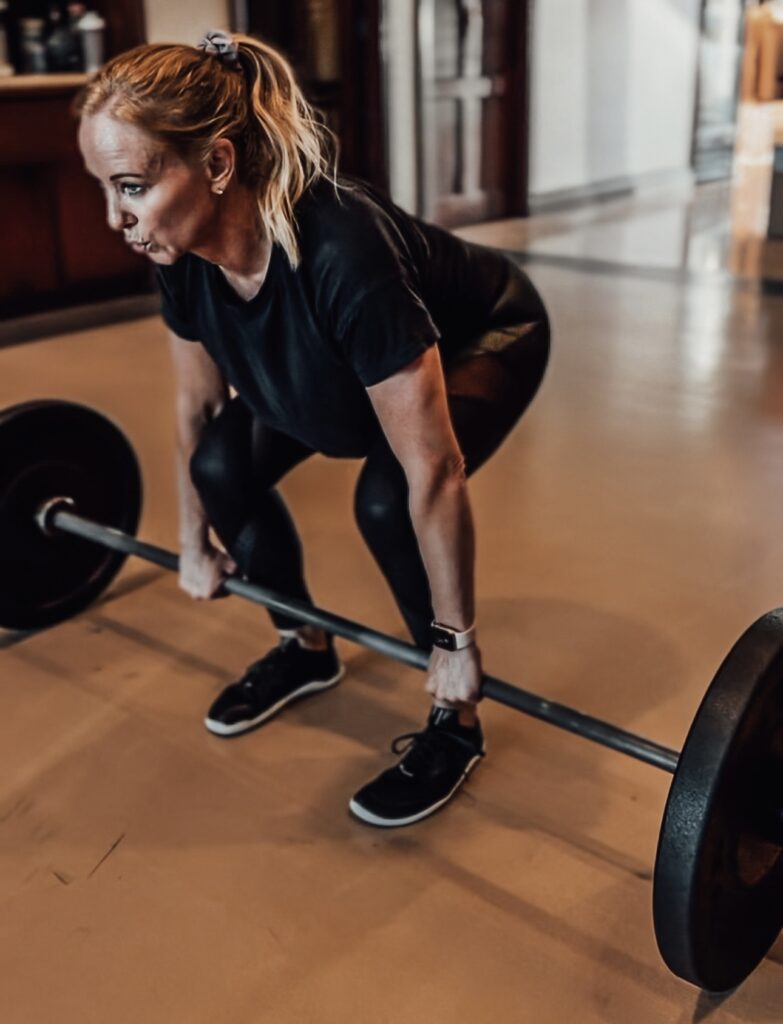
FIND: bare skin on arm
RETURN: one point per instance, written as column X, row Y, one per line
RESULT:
column 413, row 411
column 201, row 394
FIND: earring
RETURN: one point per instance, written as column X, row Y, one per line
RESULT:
column 219, row 191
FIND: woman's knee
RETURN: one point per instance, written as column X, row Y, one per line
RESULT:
column 528, row 356
column 221, row 456
column 537, row 354
column 381, row 501
column 209, row 467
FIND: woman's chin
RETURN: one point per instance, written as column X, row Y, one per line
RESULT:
column 164, row 257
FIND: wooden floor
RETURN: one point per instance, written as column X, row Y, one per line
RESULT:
column 628, row 532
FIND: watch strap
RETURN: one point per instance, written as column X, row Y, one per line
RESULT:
column 449, row 639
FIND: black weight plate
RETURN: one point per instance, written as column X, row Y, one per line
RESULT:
column 51, row 449
column 718, row 892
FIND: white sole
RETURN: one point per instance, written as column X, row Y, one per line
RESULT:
column 221, row 729
column 372, row 819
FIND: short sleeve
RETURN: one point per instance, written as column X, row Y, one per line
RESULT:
column 173, row 306
column 384, row 330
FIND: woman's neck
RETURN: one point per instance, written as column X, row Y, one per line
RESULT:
column 237, row 242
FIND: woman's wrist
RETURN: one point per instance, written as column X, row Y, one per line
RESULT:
column 452, row 638
column 465, row 654
column 194, row 542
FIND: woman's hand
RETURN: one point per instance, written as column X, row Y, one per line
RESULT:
column 202, row 570
column 455, row 676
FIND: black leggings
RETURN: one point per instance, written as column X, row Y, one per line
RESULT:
column 239, row 461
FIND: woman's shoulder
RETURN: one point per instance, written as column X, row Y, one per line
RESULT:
column 341, row 202
column 350, row 230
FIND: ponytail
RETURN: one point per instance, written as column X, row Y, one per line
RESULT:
column 289, row 148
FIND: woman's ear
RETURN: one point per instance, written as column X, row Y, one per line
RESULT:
column 221, row 165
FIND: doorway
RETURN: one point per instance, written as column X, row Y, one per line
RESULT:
column 720, row 60
column 472, row 109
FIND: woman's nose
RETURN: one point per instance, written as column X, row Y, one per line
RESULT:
column 118, row 218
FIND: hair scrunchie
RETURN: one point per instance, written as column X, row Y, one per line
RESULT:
column 221, row 45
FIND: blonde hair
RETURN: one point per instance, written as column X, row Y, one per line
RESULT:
column 189, row 98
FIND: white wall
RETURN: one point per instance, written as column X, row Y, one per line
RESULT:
column 399, row 46
column 184, row 21
column 612, row 90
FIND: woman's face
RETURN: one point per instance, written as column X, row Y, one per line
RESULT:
column 163, row 206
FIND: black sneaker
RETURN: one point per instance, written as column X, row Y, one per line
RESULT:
column 435, row 764
column 288, row 672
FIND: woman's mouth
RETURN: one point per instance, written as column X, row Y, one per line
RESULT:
column 139, row 246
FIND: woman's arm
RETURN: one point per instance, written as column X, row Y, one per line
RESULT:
column 413, row 411
column 201, row 394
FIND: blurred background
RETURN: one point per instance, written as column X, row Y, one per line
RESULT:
column 636, row 131
column 630, row 154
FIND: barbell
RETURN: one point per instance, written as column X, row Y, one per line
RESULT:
column 70, row 499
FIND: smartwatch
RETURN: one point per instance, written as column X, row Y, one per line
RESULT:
column 449, row 639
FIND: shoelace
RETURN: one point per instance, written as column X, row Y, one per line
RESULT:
column 258, row 672
column 420, row 747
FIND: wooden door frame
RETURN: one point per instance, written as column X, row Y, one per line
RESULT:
column 516, row 172
column 356, row 96
column 125, row 23
column 519, row 169
column 365, row 141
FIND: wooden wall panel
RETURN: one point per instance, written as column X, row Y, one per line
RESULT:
column 125, row 25
column 57, row 248
column 36, row 128
column 28, row 259
column 334, row 47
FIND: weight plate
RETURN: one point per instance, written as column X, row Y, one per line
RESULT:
column 718, row 891
column 51, row 449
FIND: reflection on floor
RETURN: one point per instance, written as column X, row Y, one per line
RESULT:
column 713, row 230
column 629, row 530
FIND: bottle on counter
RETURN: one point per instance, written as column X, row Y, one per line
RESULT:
column 92, row 26
column 63, row 45
column 76, row 12
column 31, row 31
column 6, row 68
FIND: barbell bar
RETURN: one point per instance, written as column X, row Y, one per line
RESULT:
column 70, row 487
column 56, row 515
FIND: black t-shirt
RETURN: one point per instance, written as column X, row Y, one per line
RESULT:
column 374, row 289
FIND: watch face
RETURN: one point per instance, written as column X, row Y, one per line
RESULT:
column 444, row 638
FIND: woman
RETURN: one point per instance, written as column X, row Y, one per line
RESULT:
column 343, row 326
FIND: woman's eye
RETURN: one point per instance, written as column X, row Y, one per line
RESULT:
column 129, row 189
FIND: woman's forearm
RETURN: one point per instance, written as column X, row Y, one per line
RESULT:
column 193, row 523
column 201, row 393
column 442, row 519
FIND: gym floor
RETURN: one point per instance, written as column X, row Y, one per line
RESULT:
column 629, row 531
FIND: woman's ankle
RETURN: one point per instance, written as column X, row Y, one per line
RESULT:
column 310, row 637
